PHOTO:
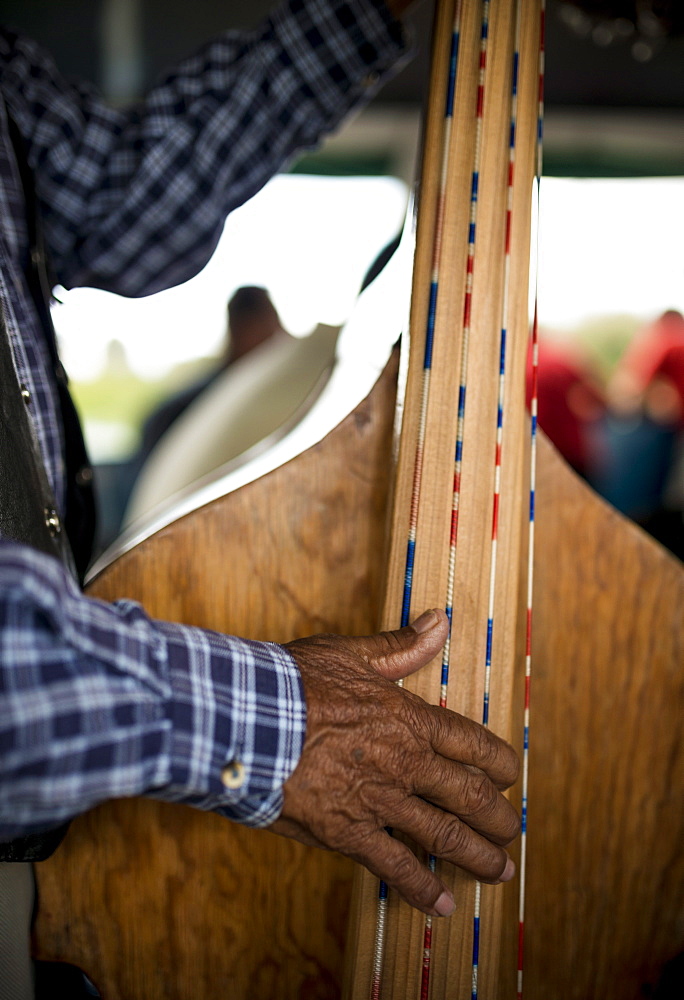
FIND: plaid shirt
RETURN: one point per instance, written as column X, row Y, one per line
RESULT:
column 97, row 700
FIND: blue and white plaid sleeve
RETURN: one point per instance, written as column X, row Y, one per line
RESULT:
column 98, row 701
column 135, row 201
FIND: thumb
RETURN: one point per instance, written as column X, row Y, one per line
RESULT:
column 401, row 652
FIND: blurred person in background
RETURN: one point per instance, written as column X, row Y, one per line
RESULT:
column 571, row 403
column 645, row 474
column 650, row 376
column 252, row 320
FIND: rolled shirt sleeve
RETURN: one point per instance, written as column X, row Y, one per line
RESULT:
column 99, row 701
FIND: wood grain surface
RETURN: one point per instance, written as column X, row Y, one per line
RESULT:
column 606, row 815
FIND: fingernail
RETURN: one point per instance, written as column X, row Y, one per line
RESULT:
column 445, row 905
column 508, row 872
column 425, row 622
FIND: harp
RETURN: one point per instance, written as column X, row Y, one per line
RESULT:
column 160, row 901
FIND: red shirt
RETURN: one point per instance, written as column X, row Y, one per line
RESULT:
column 569, row 403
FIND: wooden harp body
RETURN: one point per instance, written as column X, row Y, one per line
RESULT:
column 160, row 902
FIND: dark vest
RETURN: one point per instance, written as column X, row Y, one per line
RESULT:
column 28, row 511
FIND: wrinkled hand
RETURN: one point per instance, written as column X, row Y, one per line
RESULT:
column 376, row 756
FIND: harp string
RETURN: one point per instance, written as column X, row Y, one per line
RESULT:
column 438, row 282
column 498, row 449
column 534, row 398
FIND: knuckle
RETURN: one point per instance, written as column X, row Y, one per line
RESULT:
column 442, row 723
column 450, row 839
column 489, row 810
column 511, row 825
column 359, row 842
column 455, row 842
column 400, row 759
column 418, row 719
column 405, row 870
column 401, row 812
column 482, row 796
column 514, row 764
column 480, row 800
column 393, row 641
column 461, row 846
column 491, row 868
column 488, row 747
column 496, row 757
column 414, row 882
column 508, row 759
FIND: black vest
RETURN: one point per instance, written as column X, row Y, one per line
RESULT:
column 28, row 511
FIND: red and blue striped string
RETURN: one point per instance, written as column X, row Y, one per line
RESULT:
column 382, row 903
column 431, row 317
column 463, row 378
column 418, row 459
column 530, row 543
column 467, row 311
column 498, row 450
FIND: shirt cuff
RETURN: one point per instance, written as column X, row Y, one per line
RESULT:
column 238, row 722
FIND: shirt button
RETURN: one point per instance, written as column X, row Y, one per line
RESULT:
column 25, row 394
column 52, row 521
column 84, row 476
column 233, row 774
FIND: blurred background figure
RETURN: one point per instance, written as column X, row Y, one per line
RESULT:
column 650, row 376
column 571, row 404
column 252, row 320
column 644, row 476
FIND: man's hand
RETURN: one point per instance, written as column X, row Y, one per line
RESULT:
column 378, row 756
